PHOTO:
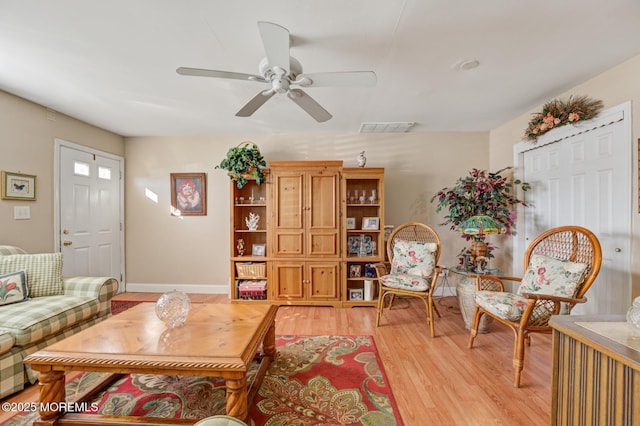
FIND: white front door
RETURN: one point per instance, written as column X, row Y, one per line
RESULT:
column 90, row 212
column 585, row 180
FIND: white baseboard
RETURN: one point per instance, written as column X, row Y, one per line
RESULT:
column 187, row 288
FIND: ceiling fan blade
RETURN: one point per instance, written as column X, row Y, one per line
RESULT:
column 255, row 103
column 276, row 41
column 349, row 78
column 219, row 74
column 308, row 104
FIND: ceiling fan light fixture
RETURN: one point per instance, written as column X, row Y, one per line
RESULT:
column 387, row 127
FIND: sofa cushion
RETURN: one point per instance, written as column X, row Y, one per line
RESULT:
column 45, row 316
column 44, row 271
column 13, row 287
column 7, row 250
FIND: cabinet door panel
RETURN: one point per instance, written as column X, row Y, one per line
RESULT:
column 288, row 281
column 323, row 214
column 323, row 280
column 323, row 244
column 289, row 243
column 289, row 201
column 323, row 202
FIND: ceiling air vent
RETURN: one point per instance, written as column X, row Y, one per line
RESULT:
column 393, row 127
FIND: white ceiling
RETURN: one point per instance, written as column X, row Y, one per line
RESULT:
column 112, row 63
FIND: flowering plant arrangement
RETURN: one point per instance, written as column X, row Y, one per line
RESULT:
column 481, row 193
column 557, row 113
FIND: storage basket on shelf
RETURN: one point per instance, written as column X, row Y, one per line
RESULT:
column 251, row 270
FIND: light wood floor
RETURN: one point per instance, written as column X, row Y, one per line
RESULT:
column 434, row 380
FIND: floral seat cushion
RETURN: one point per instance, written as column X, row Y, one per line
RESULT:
column 544, row 275
column 503, row 304
column 405, row 282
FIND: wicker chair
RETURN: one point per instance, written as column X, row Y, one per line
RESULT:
column 560, row 265
column 413, row 249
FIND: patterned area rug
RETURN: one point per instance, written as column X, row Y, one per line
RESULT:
column 118, row 306
column 315, row 380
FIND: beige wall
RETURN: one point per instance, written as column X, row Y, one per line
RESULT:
column 614, row 87
column 27, row 133
column 162, row 249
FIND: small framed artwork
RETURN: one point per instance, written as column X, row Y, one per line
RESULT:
column 356, row 294
column 355, row 271
column 258, row 250
column 351, row 223
column 370, row 223
column 18, row 186
column 189, row 194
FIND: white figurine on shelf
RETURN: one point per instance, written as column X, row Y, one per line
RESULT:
column 252, row 221
column 372, row 198
column 362, row 160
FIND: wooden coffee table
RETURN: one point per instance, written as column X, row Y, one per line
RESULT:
column 218, row 340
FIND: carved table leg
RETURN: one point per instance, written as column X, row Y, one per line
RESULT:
column 237, row 405
column 51, row 391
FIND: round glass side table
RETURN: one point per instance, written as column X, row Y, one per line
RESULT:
column 466, row 291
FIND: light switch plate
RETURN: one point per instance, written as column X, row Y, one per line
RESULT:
column 21, row 212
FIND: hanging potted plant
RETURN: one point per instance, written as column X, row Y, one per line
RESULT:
column 242, row 161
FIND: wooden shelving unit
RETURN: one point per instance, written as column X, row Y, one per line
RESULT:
column 363, row 225
column 321, row 227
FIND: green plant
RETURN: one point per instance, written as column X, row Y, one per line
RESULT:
column 242, row 161
column 481, row 193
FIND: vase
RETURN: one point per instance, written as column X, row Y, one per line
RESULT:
column 172, row 308
column 633, row 314
column 362, row 160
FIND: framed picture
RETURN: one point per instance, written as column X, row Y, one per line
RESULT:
column 351, row 223
column 356, row 294
column 370, row 223
column 189, row 194
column 355, row 271
column 258, row 249
column 18, row 186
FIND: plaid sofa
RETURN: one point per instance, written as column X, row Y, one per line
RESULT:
column 29, row 326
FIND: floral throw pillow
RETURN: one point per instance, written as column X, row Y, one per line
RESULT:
column 13, row 287
column 413, row 258
column 547, row 275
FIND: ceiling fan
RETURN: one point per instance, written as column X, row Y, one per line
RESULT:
column 281, row 71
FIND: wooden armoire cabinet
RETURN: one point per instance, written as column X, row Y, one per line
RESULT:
column 305, row 230
column 308, row 255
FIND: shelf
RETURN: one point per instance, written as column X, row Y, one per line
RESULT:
column 361, row 278
column 250, row 205
column 364, row 259
column 361, row 231
column 249, row 231
column 250, row 259
column 363, row 205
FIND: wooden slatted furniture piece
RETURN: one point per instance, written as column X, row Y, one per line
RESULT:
column 560, row 266
column 217, row 340
column 596, row 371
